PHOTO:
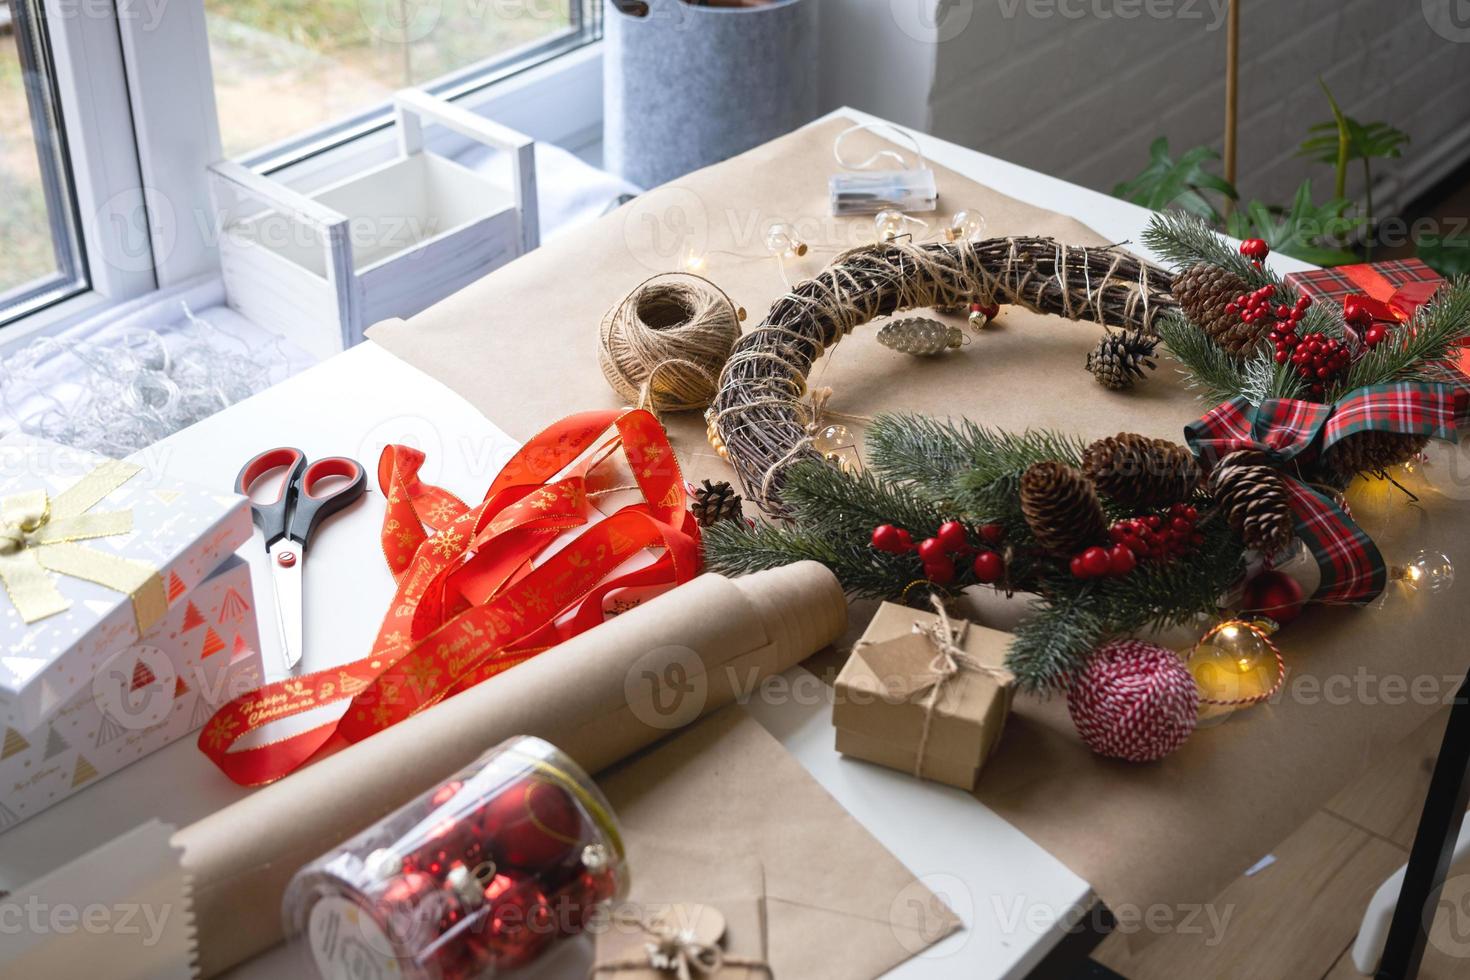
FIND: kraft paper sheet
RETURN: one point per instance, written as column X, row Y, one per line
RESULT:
column 1170, row 833
column 713, row 640
column 833, row 898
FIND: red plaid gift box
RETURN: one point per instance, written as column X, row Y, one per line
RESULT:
column 1394, row 289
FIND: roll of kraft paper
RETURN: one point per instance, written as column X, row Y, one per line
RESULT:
column 599, row 697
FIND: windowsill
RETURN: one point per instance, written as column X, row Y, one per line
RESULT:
column 557, row 102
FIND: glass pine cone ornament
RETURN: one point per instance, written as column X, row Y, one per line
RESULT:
column 889, row 224
column 1427, row 571
column 1234, row 663
column 920, row 336
column 965, row 225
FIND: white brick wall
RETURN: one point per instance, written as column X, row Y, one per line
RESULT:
column 1073, row 88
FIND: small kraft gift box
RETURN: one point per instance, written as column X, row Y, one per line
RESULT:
column 100, row 562
column 924, row 694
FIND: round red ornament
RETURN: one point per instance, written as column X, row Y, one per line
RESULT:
column 894, row 540
column 989, row 567
column 1134, row 701
column 1274, row 595
column 992, row 534
column 953, row 537
column 1255, row 249
column 932, row 550
column 534, row 824
column 521, row 921
column 940, row 571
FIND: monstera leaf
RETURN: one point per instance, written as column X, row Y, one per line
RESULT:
column 1181, row 183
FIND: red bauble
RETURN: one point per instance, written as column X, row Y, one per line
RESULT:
column 1095, row 562
column 941, row 571
column 532, row 824
column 1274, row 595
column 989, row 567
column 521, row 921
column 953, row 536
column 1134, row 701
column 411, row 908
column 932, row 550
column 1255, row 249
column 1121, row 560
column 894, row 540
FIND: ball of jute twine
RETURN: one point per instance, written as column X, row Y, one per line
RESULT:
column 663, row 346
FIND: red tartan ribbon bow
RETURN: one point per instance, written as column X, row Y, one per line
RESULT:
column 1380, row 299
column 1294, row 433
column 491, row 587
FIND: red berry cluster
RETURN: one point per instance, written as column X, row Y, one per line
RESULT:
column 1317, row 357
column 1358, row 316
column 1153, row 537
column 1255, row 249
column 939, row 552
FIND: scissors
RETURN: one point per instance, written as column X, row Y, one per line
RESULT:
column 291, row 519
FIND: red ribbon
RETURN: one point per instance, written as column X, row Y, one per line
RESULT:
column 476, row 597
column 1380, row 298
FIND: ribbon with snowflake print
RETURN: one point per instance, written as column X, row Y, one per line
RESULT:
column 476, row 596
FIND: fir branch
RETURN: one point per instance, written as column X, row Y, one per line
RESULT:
column 1413, row 352
column 1207, row 367
column 1053, row 642
column 823, row 499
column 931, row 453
column 1185, row 239
column 731, row 548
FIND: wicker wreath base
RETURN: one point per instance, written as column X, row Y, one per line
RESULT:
column 759, row 413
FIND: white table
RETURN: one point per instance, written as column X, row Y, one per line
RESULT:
column 1016, row 899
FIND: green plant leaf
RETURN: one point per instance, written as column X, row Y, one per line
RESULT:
column 1181, row 183
column 1370, row 141
column 1305, row 230
column 1448, row 255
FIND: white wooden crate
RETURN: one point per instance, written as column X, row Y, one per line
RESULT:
column 322, row 267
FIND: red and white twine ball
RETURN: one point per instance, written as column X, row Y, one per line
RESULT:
column 1134, row 701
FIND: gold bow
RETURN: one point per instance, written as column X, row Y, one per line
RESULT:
column 38, row 535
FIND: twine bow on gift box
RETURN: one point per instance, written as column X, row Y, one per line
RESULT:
column 1291, row 434
column 38, row 536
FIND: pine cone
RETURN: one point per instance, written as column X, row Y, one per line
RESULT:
column 1061, row 508
column 1119, row 359
column 1255, row 501
column 1203, row 290
column 1137, row 471
column 1370, row 452
column 715, row 502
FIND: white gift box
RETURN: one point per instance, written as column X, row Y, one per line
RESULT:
column 155, row 538
column 204, row 652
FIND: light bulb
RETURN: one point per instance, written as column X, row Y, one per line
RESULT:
column 965, row 225
column 694, row 262
column 1427, row 571
column 781, row 240
column 890, row 224
column 832, row 438
column 1234, row 664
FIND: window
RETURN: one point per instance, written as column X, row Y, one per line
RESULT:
column 292, row 77
column 38, row 217
column 112, row 111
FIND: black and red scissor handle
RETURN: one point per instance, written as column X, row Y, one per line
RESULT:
column 299, row 509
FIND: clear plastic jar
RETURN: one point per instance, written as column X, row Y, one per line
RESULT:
column 482, row 873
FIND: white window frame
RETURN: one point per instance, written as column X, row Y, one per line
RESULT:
column 137, row 102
